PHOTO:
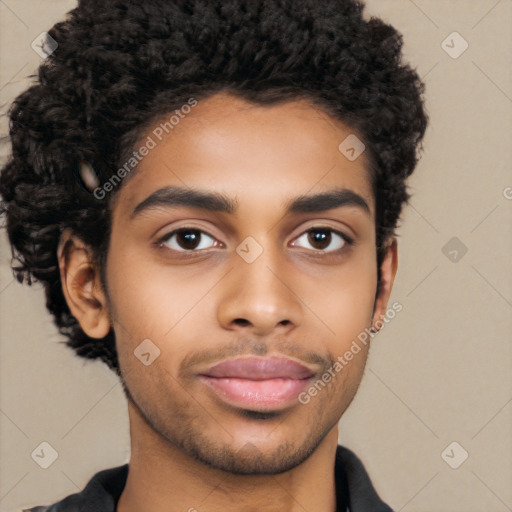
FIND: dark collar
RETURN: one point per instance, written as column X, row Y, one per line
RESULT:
column 354, row 490
column 362, row 496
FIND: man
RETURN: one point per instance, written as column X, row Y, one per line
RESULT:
column 209, row 191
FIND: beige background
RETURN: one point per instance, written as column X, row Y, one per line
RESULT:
column 439, row 372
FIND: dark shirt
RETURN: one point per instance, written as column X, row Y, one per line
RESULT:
column 354, row 490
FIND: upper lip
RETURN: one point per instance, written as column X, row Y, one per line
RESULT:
column 259, row 368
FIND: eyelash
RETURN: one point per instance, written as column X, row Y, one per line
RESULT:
column 347, row 241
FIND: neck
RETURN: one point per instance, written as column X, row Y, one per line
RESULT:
column 162, row 477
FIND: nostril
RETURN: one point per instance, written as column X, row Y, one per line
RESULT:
column 242, row 321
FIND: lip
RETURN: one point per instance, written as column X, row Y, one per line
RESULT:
column 269, row 383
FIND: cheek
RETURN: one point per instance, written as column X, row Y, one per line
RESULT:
column 163, row 304
column 140, row 293
column 343, row 301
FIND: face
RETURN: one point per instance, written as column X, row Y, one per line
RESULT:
column 249, row 288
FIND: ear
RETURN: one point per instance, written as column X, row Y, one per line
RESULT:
column 81, row 285
column 388, row 271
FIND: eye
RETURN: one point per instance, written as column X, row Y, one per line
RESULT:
column 188, row 239
column 323, row 239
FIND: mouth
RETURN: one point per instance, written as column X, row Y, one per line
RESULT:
column 262, row 384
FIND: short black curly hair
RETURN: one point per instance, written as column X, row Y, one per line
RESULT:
column 121, row 64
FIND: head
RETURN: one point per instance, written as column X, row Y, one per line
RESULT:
column 180, row 175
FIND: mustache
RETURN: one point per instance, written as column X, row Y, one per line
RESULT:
column 255, row 347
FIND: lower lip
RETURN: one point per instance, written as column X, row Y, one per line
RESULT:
column 267, row 394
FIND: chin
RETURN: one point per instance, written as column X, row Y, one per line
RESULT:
column 253, row 457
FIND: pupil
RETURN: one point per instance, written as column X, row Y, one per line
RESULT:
column 321, row 238
column 188, row 239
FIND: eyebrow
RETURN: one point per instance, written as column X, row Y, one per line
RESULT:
column 213, row 201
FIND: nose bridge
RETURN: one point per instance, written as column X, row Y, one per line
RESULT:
column 257, row 295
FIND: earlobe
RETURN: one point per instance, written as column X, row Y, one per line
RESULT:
column 388, row 269
column 82, row 287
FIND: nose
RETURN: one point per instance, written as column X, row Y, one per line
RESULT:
column 259, row 299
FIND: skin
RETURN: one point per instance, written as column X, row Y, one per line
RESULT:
column 190, row 449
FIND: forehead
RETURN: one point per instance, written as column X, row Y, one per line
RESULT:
column 249, row 152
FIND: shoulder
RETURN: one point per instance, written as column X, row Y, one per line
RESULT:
column 101, row 494
column 362, row 494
